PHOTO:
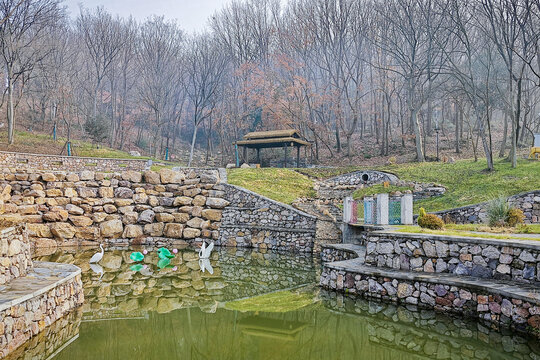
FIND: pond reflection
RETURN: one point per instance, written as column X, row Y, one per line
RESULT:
column 238, row 312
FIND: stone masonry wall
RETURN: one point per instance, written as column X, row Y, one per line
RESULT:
column 68, row 163
column 130, row 207
column 528, row 202
column 504, row 310
column 72, row 208
column 15, row 258
column 253, row 220
column 20, row 321
column 516, row 260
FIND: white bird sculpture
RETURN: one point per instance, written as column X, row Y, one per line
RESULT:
column 97, row 256
column 204, row 253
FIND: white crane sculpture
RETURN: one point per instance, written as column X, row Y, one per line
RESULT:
column 97, row 256
column 204, row 253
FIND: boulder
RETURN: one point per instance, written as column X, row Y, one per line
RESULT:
column 106, row 192
column 164, row 217
column 212, row 214
column 169, row 176
column 123, row 193
column 154, row 229
column 190, row 233
column 130, row 218
column 152, row 177
column 195, row 223
column 87, row 175
column 216, row 203
column 62, row 230
column 182, row 201
column 87, row 192
column 72, row 177
column 173, row 230
column 74, row 210
column 140, row 198
column 180, row 217
column 111, row 228
column 48, row 177
column 81, row 221
column 199, row 200
column 39, row 230
column 133, row 176
column 54, row 216
column 87, row 233
column 147, row 217
column 99, row 216
column 54, row 192
column 27, row 209
column 132, row 231
column 70, row 193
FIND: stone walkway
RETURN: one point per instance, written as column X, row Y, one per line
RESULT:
column 44, row 277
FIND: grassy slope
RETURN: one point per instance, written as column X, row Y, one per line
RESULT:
column 467, row 182
column 278, row 184
column 44, row 144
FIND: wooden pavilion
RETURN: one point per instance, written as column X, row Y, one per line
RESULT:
column 272, row 139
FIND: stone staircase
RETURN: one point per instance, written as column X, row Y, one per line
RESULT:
column 508, row 300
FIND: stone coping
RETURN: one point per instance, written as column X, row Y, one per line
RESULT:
column 280, row 204
column 70, row 157
column 350, row 248
column 44, row 277
column 525, row 292
column 528, row 244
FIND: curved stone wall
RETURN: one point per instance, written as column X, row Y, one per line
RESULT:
column 15, row 259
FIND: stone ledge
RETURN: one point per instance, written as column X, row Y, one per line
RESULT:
column 529, row 244
column 525, row 292
column 44, row 277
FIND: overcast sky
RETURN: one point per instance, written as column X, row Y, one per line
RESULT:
column 191, row 14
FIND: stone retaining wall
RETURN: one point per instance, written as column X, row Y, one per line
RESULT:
column 504, row 310
column 253, row 220
column 127, row 207
column 130, row 207
column 26, row 316
column 15, row 258
column 68, row 163
column 516, row 260
column 528, row 202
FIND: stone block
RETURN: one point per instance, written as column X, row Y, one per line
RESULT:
column 111, row 228
column 173, row 230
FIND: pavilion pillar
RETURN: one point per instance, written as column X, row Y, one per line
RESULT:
column 298, row 156
column 245, row 155
column 258, row 155
column 285, row 155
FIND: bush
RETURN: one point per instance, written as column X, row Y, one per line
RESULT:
column 515, row 216
column 429, row 221
column 497, row 212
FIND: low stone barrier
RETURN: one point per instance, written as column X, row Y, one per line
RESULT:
column 68, row 163
column 15, row 258
column 491, row 304
column 28, row 306
column 330, row 253
column 528, row 202
column 517, row 260
column 255, row 221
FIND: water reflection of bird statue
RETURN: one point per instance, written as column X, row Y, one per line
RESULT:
column 204, row 253
column 97, row 256
column 204, row 264
column 97, row 269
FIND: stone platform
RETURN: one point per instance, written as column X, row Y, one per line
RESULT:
column 504, row 300
column 31, row 303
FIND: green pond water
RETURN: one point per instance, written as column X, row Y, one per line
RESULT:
column 250, row 305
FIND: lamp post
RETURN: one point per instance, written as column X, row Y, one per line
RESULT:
column 437, row 129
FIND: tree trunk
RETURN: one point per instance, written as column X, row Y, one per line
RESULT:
column 10, row 111
column 192, row 144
